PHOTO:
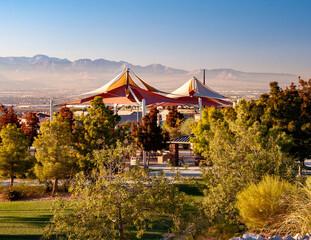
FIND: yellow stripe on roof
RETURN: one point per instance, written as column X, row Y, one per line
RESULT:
column 121, row 82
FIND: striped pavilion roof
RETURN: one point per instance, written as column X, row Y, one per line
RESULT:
column 183, row 139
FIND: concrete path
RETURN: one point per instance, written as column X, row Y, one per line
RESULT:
column 190, row 171
column 193, row 171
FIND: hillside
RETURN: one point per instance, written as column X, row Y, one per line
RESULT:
column 43, row 72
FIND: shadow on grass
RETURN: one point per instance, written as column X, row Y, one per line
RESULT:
column 151, row 236
column 191, row 189
column 23, row 237
column 26, row 210
column 156, row 231
column 39, row 221
column 20, row 237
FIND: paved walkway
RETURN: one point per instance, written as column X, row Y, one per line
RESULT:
column 190, row 171
column 193, row 171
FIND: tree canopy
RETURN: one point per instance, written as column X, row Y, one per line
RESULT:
column 148, row 135
column 8, row 115
column 248, row 141
column 95, row 130
column 14, row 153
column 112, row 207
column 173, row 118
column 31, row 126
column 67, row 114
column 173, row 123
column 55, row 153
column 288, row 111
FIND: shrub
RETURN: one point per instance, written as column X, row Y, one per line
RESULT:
column 299, row 218
column 11, row 194
column 263, row 205
column 21, row 191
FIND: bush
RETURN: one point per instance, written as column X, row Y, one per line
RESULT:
column 19, row 192
column 11, row 194
column 263, row 205
column 298, row 220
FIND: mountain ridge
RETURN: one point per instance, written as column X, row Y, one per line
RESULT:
column 42, row 71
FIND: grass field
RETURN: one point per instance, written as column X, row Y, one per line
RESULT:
column 26, row 220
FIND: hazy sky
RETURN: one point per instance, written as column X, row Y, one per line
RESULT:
column 247, row 35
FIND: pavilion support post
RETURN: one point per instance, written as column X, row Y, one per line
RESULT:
column 115, row 108
column 200, row 106
column 51, row 110
column 173, row 147
column 143, row 106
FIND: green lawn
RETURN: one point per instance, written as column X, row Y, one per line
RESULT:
column 24, row 220
column 27, row 219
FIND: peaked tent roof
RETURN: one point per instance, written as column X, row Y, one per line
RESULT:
column 194, row 89
column 122, row 79
column 123, row 90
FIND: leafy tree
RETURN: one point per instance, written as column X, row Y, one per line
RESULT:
column 67, row 114
column 287, row 110
column 31, row 126
column 173, row 118
column 55, row 153
column 251, row 140
column 185, row 126
column 173, row 121
column 148, row 135
column 279, row 111
column 110, row 207
column 112, row 159
column 304, row 90
column 95, row 131
column 8, row 115
column 241, row 151
column 14, row 154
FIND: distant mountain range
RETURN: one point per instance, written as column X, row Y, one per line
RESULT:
column 43, row 72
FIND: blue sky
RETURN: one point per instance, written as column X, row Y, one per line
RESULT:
column 247, row 35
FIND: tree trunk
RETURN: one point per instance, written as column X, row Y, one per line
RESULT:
column 11, row 181
column 55, row 185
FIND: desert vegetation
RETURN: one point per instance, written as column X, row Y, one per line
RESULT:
column 255, row 182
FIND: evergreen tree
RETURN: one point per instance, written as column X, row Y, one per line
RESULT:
column 287, row 111
column 95, row 131
column 304, row 90
column 55, row 153
column 14, row 154
column 242, row 151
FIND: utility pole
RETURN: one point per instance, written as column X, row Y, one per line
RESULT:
column 143, row 103
column 203, row 76
column 51, row 110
